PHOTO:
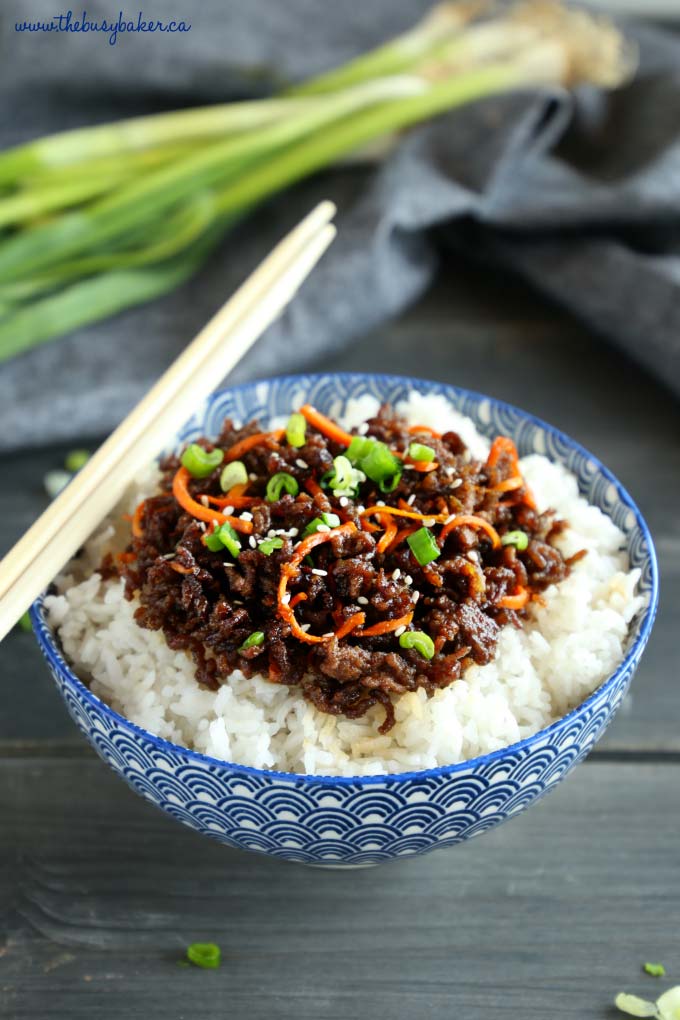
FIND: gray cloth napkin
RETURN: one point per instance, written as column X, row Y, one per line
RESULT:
column 579, row 195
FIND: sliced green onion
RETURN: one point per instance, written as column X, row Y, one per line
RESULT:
column 633, row 1005
column 419, row 640
column 255, row 639
column 277, row 483
column 331, row 520
column 268, row 545
column 24, row 622
column 418, row 451
column 343, row 479
column 76, row 459
column 55, row 481
column 204, row 954
column 358, row 448
column 423, row 546
column 381, row 466
column 296, row 429
column 519, row 539
column 223, row 537
column 198, row 462
column 233, row 474
column 655, row 969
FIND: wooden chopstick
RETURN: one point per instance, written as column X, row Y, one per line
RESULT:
column 60, row 531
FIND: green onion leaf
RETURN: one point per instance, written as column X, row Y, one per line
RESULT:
column 381, row 466
column 519, row 539
column 268, row 545
column 204, row 954
column 233, row 474
column 223, row 537
column 419, row 640
column 418, row 451
column 24, row 622
column 358, row 448
column 296, row 429
column 655, row 969
column 331, row 520
column 423, row 546
column 255, row 639
column 277, row 483
column 76, row 459
column 198, row 462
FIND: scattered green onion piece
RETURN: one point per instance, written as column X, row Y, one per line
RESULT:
column 519, row 539
column 76, row 459
column 55, row 481
column 224, row 537
column 423, row 546
column 419, row 640
column 254, row 641
column 381, row 466
column 634, row 1006
column 204, row 954
column 668, row 1004
column 233, row 474
column 277, row 483
column 331, row 520
column 654, row 969
column 418, row 451
column 24, row 622
column 296, row 429
column 344, row 479
column 268, row 545
column 198, row 462
column 358, row 448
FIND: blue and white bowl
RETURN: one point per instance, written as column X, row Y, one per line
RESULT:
column 341, row 821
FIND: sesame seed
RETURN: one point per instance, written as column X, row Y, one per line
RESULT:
column 271, row 533
column 472, row 555
column 305, row 626
column 399, row 631
column 344, row 501
column 227, row 510
column 302, row 464
column 203, row 526
column 429, row 522
column 411, row 500
column 252, row 476
column 396, row 574
column 362, row 600
column 227, row 563
column 416, row 596
column 454, row 485
column 246, row 516
column 450, row 518
column 205, row 501
column 293, row 532
column 285, row 599
column 408, row 579
column 252, row 543
column 380, row 502
column 328, row 634
column 168, row 556
column 361, row 509
column 363, row 429
column 319, row 573
column 408, row 467
column 323, row 527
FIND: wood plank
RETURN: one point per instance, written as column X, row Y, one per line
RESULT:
column 488, row 335
column 548, row 916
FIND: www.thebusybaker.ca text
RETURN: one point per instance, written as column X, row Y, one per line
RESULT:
column 112, row 29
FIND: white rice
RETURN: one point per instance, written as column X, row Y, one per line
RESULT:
column 540, row 672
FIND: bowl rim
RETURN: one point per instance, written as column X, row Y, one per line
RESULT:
column 47, row 640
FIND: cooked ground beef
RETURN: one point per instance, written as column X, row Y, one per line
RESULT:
column 209, row 603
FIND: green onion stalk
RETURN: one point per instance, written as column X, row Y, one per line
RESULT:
column 99, row 219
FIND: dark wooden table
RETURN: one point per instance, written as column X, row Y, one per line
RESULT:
column 546, row 917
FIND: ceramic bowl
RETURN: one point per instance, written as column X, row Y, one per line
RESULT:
column 338, row 821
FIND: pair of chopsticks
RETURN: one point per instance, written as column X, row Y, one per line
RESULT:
column 58, row 534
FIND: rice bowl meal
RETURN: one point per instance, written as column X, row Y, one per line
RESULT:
column 387, row 593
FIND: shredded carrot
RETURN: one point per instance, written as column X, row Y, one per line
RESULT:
column 238, row 449
column 415, row 429
column 323, row 424
column 126, row 517
column 370, row 511
column 439, row 643
column 422, row 466
column 386, row 626
column 181, row 493
column 137, row 519
column 471, row 521
column 291, row 569
column 315, row 490
column 367, row 526
column 300, row 597
column 389, row 533
column 350, row 624
column 126, row 557
column 504, row 445
column 238, row 502
column 399, row 537
column 180, row 569
column 432, row 577
column 516, row 601
column 516, row 482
